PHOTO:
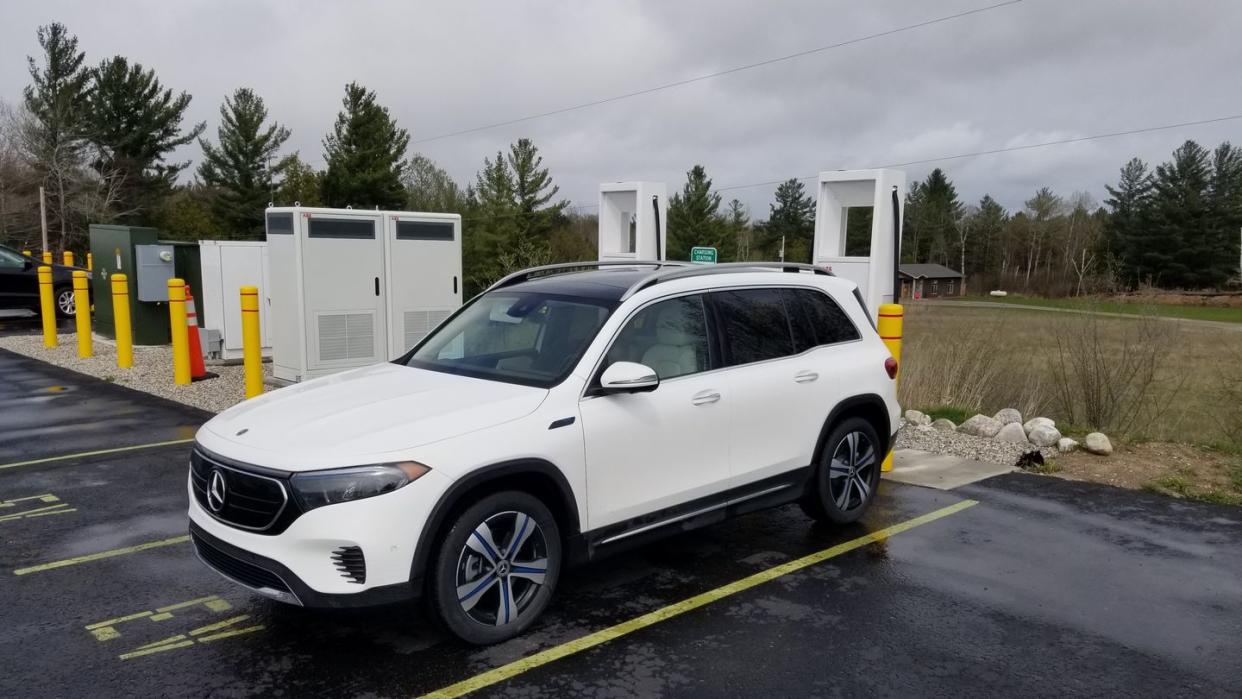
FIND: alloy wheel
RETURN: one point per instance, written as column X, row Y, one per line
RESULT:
column 501, row 568
column 66, row 302
column 851, row 470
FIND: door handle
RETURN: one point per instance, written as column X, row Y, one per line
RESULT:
column 705, row 397
column 377, row 286
column 805, row 376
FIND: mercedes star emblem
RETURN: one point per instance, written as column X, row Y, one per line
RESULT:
column 216, row 491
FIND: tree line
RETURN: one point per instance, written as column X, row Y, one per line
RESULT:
column 99, row 139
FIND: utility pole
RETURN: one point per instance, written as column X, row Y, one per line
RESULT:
column 782, row 248
column 43, row 216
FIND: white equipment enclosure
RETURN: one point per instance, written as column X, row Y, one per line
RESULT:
column 632, row 221
column 227, row 266
column 882, row 191
column 349, row 287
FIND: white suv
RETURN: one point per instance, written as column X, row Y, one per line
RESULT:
column 566, row 412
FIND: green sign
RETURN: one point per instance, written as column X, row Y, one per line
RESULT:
column 703, row 256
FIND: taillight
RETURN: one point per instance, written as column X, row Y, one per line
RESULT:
column 890, row 365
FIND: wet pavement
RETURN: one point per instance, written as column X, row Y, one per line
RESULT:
column 1045, row 587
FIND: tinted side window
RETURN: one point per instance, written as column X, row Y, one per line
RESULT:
column 755, row 325
column 280, row 224
column 800, row 323
column 669, row 336
column 826, row 317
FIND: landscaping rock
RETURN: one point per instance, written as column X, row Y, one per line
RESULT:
column 1097, row 443
column 1007, row 416
column 981, row 426
column 944, row 424
column 1011, row 432
column 1066, row 445
column 917, row 418
column 1044, row 436
column 1036, row 421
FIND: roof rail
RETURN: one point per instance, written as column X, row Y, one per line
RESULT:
column 563, row 267
column 724, row 268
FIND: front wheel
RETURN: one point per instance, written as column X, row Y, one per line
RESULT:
column 497, row 568
column 847, row 475
column 66, row 304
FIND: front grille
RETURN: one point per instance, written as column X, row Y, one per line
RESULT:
column 251, row 501
column 351, row 563
column 244, row 572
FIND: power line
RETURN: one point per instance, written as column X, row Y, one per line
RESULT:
column 708, row 76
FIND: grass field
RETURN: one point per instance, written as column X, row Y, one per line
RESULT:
column 971, row 359
column 1222, row 314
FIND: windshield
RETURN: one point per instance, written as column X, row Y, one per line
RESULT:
column 527, row 338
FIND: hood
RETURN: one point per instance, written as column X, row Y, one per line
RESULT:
column 339, row 420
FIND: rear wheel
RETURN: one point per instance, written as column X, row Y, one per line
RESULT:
column 847, row 475
column 497, row 568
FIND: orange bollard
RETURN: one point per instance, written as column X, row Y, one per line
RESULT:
column 198, row 371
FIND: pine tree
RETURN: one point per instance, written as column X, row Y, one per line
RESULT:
column 737, row 222
column 135, row 122
column 693, row 218
column 243, row 165
column 532, row 192
column 491, row 225
column 1129, row 202
column 55, row 99
column 930, row 219
column 1225, row 193
column 791, row 218
column 365, row 154
column 302, row 184
column 1178, row 252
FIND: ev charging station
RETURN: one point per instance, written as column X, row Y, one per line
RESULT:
column 884, row 191
column 633, row 221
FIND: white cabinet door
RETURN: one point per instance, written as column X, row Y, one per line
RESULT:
column 342, row 273
column 646, row 452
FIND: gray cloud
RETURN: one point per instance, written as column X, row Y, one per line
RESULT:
column 1039, row 70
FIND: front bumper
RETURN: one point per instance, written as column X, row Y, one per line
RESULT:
column 297, row 565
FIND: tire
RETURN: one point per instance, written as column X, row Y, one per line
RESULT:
column 64, row 302
column 468, row 596
column 847, row 474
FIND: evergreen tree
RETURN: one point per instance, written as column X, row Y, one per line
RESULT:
column 430, row 188
column 1178, row 250
column 930, row 219
column 1225, row 193
column 302, row 184
column 693, row 218
column 491, row 226
column 988, row 226
column 1129, row 202
column 136, row 122
column 365, row 154
column 55, row 99
column 532, row 192
column 737, row 222
column 791, row 217
column 243, row 165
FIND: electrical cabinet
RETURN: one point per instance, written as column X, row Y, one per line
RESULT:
column 348, row 287
column 632, row 219
column 875, row 271
column 227, row 266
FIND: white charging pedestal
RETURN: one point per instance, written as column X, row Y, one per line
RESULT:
column 840, row 190
column 633, row 221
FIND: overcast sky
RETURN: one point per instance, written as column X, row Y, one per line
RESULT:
column 1035, row 71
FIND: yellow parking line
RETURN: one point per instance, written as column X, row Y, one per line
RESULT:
column 102, row 554
column 578, row 645
column 97, row 452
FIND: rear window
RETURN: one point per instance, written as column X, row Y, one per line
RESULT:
column 754, row 323
column 829, row 322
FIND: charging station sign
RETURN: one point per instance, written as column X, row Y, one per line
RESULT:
column 703, row 255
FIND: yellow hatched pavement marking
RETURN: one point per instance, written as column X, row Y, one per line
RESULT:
column 226, row 628
column 611, row 633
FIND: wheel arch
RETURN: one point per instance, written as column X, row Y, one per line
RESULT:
column 538, row 477
column 867, row 406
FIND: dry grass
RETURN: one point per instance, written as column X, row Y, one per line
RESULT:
column 983, row 359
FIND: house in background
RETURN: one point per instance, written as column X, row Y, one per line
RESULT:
column 929, row 281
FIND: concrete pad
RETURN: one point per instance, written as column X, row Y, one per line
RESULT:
column 941, row 471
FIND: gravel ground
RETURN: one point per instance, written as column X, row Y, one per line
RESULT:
column 966, row 446
column 152, row 371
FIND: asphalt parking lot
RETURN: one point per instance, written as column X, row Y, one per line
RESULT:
column 1017, row 585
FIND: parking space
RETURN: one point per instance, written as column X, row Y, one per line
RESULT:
column 1019, row 584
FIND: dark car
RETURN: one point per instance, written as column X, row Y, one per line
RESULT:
column 19, row 283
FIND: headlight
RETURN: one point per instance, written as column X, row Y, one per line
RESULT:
column 318, row 488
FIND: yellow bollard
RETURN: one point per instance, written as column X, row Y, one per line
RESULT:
column 120, row 319
column 251, row 341
column 47, row 307
column 68, row 258
column 889, row 326
column 90, row 261
column 25, row 253
column 82, row 312
column 47, row 257
column 180, row 333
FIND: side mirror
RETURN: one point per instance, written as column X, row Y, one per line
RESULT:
column 628, row 377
